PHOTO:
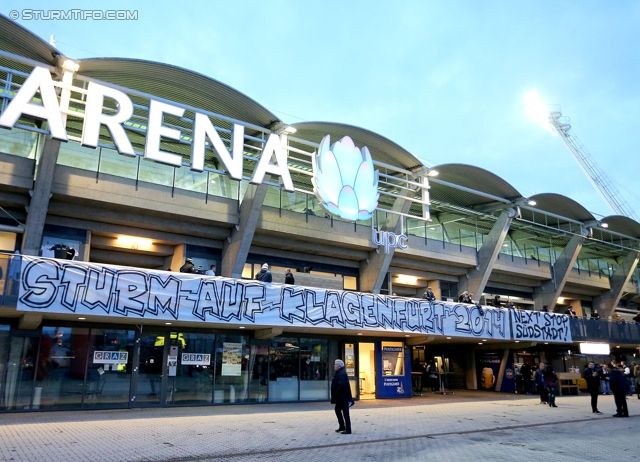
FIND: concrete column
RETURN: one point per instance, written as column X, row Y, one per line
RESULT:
column 40, row 195
column 476, row 279
column 608, row 301
column 550, row 291
column 236, row 247
column 374, row 269
column 176, row 260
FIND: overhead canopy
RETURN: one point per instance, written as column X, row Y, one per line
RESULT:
column 471, row 177
column 563, row 206
column 623, row 225
column 382, row 149
column 179, row 85
column 17, row 40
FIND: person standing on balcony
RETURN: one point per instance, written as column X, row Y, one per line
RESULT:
column 288, row 277
column 429, row 295
column 188, row 266
column 594, row 314
column 264, row 275
column 571, row 313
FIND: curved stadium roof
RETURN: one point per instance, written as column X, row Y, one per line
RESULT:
column 197, row 90
column 382, row 149
column 179, row 85
column 563, row 206
column 17, row 40
column 471, row 177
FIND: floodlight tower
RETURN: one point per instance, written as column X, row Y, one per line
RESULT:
column 557, row 124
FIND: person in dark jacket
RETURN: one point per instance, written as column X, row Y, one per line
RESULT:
column 341, row 397
column 525, row 373
column 540, row 384
column 592, row 377
column 264, row 275
column 551, row 381
column 429, row 295
column 288, row 277
column 188, row 266
column 619, row 387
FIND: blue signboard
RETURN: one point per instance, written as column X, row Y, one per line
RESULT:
column 393, row 387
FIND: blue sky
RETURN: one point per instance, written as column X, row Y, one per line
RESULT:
column 445, row 80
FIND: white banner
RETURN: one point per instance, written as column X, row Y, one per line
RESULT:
column 62, row 286
column 539, row 326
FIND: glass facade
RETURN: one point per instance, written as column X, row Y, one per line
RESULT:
column 66, row 367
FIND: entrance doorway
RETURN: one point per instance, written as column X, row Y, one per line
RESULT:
column 148, row 379
column 367, row 370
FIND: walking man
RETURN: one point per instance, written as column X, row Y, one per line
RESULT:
column 592, row 378
column 341, row 397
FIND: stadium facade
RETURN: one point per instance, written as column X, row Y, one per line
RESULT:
column 114, row 171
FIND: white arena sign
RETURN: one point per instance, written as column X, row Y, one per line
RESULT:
column 40, row 81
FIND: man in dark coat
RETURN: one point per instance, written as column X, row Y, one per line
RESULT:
column 341, row 397
column 288, row 277
column 264, row 275
column 525, row 373
column 188, row 266
column 619, row 387
column 540, row 384
column 429, row 295
column 592, row 377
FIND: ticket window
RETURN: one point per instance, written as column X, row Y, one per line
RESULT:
column 393, row 358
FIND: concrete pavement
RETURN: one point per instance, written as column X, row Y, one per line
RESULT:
column 468, row 425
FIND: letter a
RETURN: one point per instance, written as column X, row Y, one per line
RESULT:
column 21, row 104
column 272, row 146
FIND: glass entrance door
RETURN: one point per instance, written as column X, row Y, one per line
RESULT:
column 367, row 370
column 149, row 375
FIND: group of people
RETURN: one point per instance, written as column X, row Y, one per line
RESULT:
column 263, row 275
column 189, row 267
column 617, row 379
column 546, row 381
column 431, row 372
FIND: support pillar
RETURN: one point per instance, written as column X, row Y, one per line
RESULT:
column 40, row 195
column 476, row 279
column 375, row 268
column 608, row 301
column 550, row 291
column 236, row 247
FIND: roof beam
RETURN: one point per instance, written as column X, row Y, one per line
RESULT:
column 40, row 196
column 550, row 291
column 374, row 269
column 476, row 279
column 608, row 301
column 236, row 247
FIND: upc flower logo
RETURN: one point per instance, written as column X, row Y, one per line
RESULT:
column 344, row 179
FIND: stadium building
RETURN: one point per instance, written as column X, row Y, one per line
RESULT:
column 114, row 172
